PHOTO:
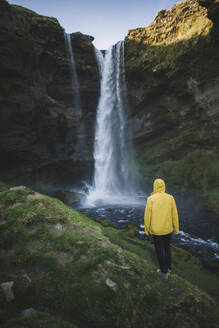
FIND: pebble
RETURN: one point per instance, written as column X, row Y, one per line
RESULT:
column 28, row 312
column 112, row 284
column 80, row 242
column 25, row 276
column 175, row 291
column 22, row 282
column 59, row 227
column 83, row 258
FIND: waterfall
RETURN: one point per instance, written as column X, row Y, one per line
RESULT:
column 81, row 150
column 74, row 75
column 113, row 171
column 99, row 57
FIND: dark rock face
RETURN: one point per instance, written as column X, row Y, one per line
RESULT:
column 37, row 120
column 213, row 14
column 172, row 70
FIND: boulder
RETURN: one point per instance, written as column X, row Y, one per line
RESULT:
column 21, row 283
column 28, row 312
column 7, row 288
column 71, row 198
column 112, row 284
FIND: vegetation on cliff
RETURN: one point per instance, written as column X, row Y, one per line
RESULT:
column 67, row 265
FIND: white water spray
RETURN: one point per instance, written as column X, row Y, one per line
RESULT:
column 113, row 172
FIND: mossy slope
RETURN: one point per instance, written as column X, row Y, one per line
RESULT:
column 87, row 273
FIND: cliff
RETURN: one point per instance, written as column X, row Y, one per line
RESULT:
column 59, row 262
column 38, row 123
column 172, row 70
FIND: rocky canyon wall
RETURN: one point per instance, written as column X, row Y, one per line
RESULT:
column 37, row 119
column 172, row 70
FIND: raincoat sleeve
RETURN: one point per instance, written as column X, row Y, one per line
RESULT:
column 147, row 216
column 175, row 216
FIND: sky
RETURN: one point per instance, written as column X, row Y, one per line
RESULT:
column 108, row 21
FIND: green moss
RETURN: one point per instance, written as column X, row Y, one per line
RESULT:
column 198, row 170
column 3, row 187
column 36, row 18
column 24, row 10
column 212, row 200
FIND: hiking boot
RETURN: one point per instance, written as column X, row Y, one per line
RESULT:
column 163, row 275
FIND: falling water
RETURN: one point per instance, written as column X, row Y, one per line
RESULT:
column 81, row 149
column 75, row 83
column 99, row 57
column 113, row 172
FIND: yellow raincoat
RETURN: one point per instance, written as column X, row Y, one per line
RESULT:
column 161, row 217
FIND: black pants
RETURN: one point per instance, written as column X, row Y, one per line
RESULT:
column 162, row 247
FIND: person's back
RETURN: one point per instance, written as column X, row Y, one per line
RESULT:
column 161, row 219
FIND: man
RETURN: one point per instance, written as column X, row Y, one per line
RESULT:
column 161, row 219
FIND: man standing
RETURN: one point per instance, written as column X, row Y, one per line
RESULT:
column 161, row 219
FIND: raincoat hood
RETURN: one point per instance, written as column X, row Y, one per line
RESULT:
column 161, row 216
column 159, row 186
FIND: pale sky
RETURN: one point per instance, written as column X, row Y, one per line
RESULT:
column 107, row 21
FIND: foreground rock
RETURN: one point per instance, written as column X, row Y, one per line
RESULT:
column 89, row 273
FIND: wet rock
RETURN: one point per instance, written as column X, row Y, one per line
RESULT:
column 35, row 195
column 7, row 288
column 28, row 312
column 70, row 198
column 175, row 291
column 113, row 285
column 59, row 227
column 21, row 283
column 18, row 188
column 83, row 258
column 80, row 242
